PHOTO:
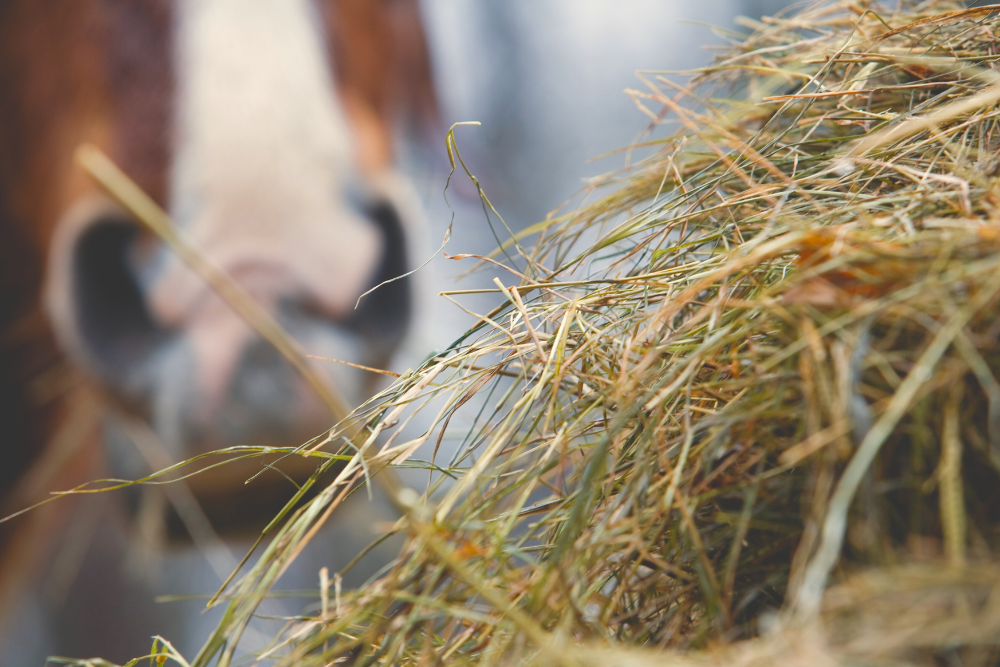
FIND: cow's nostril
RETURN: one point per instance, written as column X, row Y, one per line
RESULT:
column 114, row 329
column 383, row 315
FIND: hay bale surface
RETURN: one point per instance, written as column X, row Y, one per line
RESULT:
column 742, row 409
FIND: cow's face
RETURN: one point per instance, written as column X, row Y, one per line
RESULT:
column 263, row 128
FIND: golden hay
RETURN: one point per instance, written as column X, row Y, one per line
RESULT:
column 740, row 410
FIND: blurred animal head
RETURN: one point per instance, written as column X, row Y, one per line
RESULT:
column 264, row 127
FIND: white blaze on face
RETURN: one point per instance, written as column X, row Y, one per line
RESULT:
column 262, row 156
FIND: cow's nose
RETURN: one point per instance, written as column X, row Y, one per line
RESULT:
column 193, row 365
column 281, row 249
column 230, row 361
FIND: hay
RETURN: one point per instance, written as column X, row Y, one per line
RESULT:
column 761, row 366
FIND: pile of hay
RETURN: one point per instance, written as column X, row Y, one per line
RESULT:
column 741, row 410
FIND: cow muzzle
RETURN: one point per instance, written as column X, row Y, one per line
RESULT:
column 170, row 351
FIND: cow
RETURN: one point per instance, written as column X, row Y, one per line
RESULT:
column 266, row 129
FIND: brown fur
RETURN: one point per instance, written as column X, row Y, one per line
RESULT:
column 381, row 63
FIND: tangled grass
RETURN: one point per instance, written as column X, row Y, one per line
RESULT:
column 741, row 409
